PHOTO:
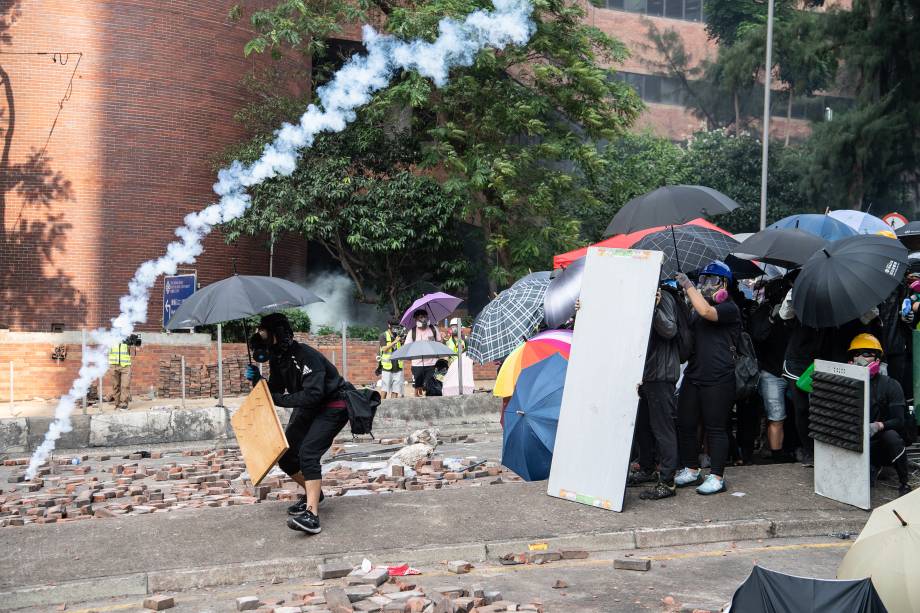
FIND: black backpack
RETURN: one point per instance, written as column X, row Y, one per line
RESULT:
column 684, row 336
column 747, row 370
column 362, row 407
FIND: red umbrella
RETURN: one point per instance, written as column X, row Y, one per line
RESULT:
column 625, row 241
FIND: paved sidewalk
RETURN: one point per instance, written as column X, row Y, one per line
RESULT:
column 158, row 552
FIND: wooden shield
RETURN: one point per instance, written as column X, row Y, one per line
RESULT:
column 259, row 432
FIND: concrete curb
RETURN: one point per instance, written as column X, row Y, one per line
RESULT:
column 174, row 425
column 153, row 582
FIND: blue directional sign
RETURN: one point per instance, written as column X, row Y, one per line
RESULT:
column 175, row 290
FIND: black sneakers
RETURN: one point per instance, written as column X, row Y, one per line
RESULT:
column 662, row 490
column 305, row 522
column 638, row 477
column 301, row 505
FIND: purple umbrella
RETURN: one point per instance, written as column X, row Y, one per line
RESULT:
column 438, row 305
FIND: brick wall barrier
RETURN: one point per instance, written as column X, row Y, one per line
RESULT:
column 37, row 375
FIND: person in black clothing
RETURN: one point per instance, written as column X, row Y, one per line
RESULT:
column 657, row 402
column 708, row 388
column 748, row 411
column 301, row 378
column 886, row 411
column 771, row 337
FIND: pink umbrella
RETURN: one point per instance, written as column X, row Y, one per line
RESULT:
column 438, row 306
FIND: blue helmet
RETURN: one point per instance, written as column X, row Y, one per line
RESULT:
column 718, row 268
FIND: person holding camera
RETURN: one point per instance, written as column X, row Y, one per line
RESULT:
column 300, row 377
column 120, row 365
column 391, row 371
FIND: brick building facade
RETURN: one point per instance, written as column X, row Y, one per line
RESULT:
column 141, row 97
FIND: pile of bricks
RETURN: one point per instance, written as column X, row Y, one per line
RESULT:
column 143, row 483
column 201, row 379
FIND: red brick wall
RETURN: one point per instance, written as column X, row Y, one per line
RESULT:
column 36, row 375
column 151, row 104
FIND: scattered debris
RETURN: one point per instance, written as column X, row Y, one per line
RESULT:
column 159, row 603
column 560, row 585
column 459, row 567
column 248, row 603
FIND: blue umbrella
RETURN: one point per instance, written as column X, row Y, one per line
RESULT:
column 531, row 418
column 826, row 227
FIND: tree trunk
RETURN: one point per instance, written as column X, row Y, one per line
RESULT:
column 789, row 118
column 737, row 114
column 856, row 187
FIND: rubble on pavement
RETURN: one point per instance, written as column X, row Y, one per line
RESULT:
column 82, row 487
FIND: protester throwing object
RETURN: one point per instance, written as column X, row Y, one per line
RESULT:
column 302, row 378
column 886, row 411
column 708, row 388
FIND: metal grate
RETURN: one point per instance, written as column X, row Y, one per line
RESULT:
column 837, row 412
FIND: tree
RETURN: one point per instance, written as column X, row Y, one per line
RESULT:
column 872, row 153
column 514, row 133
column 731, row 164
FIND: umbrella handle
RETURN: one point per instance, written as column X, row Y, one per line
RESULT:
column 246, row 332
column 898, row 515
column 676, row 254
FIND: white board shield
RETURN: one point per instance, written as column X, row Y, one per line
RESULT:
column 594, row 437
column 842, row 474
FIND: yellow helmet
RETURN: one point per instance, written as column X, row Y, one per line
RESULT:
column 865, row 341
column 888, row 233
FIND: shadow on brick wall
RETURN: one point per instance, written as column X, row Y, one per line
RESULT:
column 31, row 236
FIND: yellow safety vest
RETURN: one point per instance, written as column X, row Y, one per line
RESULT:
column 452, row 345
column 385, row 362
column 120, row 355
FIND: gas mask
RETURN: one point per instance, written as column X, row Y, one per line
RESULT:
column 422, row 322
column 261, row 354
column 711, row 288
column 873, row 363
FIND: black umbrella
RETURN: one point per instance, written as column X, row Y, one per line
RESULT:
column 693, row 246
column 786, row 247
column 668, row 206
column 844, row 280
column 909, row 235
column 237, row 297
column 562, row 294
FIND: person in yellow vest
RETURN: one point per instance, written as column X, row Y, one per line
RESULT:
column 391, row 371
column 453, row 339
column 120, row 367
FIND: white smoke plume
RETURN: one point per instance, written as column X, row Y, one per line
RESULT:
column 339, row 304
column 351, row 87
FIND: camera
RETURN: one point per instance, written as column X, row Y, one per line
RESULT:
column 133, row 341
column 400, row 331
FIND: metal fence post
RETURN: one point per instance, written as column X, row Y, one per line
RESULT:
column 345, row 350
column 83, row 353
column 220, row 365
column 182, row 379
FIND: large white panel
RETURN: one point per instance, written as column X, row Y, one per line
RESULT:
column 593, row 441
column 841, row 474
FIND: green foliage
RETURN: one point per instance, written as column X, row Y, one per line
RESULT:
column 235, row 331
column 360, row 333
column 731, row 164
column 512, row 146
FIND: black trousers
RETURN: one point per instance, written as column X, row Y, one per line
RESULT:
column 714, row 404
column 886, row 449
column 900, row 368
column 800, row 403
column 310, row 434
column 655, row 428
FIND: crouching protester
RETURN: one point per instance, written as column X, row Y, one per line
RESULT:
column 887, row 411
column 301, row 378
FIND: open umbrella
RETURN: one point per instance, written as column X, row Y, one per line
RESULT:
column 237, row 297
column 826, row 227
column 888, row 551
column 562, row 294
column 667, row 206
column 844, row 280
column 909, row 235
column 692, row 246
column 531, row 419
column 786, row 247
column 527, row 354
column 624, row 241
column 452, row 379
column 539, row 276
column 863, row 223
column 419, row 350
column 438, row 306
column 768, row 591
column 507, row 320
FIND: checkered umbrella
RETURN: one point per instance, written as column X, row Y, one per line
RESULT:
column 695, row 247
column 508, row 320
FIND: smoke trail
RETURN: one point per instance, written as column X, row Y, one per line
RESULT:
column 456, row 45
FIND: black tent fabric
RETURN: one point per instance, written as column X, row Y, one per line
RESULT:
column 767, row 591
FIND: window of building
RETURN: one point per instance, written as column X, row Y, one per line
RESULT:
column 690, row 10
column 654, row 88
